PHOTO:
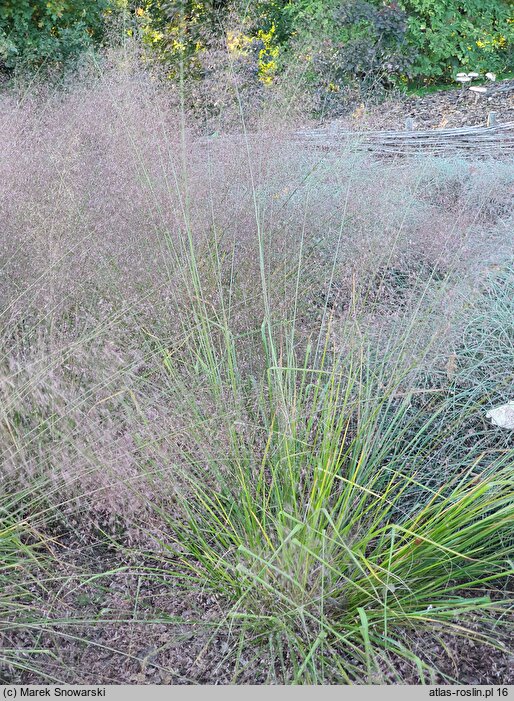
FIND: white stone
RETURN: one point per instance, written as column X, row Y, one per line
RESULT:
column 502, row 416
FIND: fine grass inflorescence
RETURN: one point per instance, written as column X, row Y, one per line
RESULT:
column 252, row 375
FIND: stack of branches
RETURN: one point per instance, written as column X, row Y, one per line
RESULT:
column 477, row 142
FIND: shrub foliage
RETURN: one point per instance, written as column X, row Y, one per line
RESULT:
column 37, row 31
column 364, row 40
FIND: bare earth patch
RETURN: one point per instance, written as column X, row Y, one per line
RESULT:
column 438, row 110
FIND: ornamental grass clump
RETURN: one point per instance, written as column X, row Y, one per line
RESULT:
column 253, row 376
column 347, row 514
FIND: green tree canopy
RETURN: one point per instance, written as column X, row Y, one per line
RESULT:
column 37, row 31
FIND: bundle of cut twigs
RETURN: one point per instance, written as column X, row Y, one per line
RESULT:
column 482, row 141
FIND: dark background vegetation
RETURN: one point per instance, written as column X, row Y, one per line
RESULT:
column 367, row 44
